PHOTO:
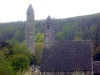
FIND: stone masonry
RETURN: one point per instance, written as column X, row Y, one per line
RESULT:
column 49, row 34
column 30, row 29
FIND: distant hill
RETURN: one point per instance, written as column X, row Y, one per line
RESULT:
column 65, row 29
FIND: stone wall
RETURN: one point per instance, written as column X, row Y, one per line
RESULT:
column 68, row 73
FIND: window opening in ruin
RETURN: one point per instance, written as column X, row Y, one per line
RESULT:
column 48, row 26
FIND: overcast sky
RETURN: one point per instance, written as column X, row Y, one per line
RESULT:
column 15, row 10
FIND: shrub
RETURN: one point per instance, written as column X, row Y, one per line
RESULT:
column 5, row 68
column 20, row 62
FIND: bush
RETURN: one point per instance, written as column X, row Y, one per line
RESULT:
column 5, row 68
column 22, row 49
column 20, row 62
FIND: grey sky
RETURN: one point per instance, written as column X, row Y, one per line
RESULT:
column 15, row 10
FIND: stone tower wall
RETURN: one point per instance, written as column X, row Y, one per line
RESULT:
column 49, row 33
column 30, row 29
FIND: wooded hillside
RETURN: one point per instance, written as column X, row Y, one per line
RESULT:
column 81, row 27
column 74, row 28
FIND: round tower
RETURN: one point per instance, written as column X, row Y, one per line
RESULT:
column 30, row 29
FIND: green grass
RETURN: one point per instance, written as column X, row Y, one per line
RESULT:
column 29, row 72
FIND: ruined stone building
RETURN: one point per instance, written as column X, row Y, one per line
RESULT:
column 61, row 57
column 65, row 57
column 30, row 29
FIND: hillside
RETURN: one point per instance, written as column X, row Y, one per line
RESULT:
column 65, row 29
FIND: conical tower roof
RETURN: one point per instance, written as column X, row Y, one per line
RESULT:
column 48, row 17
column 30, row 8
column 48, row 20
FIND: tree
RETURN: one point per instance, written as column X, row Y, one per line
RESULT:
column 5, row 65
column 78, row 33
column 37, row 30
column 39, row 37
column 39, row 45
column 6, row 48
column 97, row 36
column 96, row 54
column 22, row 49
column 59, row 36
column 20, row 62
column 85, row 29
column 92, row 31
column 12, row 42
column 38, row 51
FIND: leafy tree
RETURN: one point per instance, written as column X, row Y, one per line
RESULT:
column 17, row 34
column 5, row 68
column 68, row 32
column 12, row 42
column 22, row 49
column 39, row 37
column 37, row 30
column 18, row 29
column 97, row 42
column 85, row 30
column 6, row 48
column 38, row 51
column 20, row 62
column 92, row 31
column 97, row 36
column 59, row 36
column 78, row 33
column 39, row 44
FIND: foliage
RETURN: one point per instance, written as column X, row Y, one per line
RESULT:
column 29, row 72
column 12, row 42
column 20, row 62
column 39, row 37
column 68, row 32
column 6, row 48
column 38, row 51
column 5, row 68
column 12, row 29
column 39, row 44
column 16, row 62
column 59, row 36
column 97, row 36
column 96, row 54
column 37, row 30
column 78, row 33
column 65, row 29
column 22, row 49
column 96, row 42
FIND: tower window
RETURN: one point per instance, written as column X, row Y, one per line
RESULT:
column 48, row 26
